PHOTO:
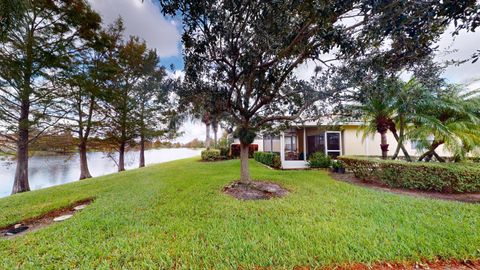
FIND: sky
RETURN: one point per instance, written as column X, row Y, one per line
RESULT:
column 164, row 34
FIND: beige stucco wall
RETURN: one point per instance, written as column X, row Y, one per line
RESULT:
column 353, row 144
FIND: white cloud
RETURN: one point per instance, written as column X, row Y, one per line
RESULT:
column 143, row 20
column 192, row 130
column 450, row 48
column 458, row 48
column 176, row 74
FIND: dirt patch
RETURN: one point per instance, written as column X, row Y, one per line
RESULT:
column 255, row 190
column 463, row 197
column 36, row 223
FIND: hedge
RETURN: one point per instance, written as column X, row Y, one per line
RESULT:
column 442, row 177
column 268, row 158
column 235, row 150
column 319, row 160
column 211, row 155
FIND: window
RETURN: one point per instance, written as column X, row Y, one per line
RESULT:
column 291, row 143
column 333, row 146
column 271, row 143
column 291, row 147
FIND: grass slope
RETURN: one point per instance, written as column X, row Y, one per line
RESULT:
column 174, row 215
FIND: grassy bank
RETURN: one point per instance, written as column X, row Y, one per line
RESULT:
column 175, row 215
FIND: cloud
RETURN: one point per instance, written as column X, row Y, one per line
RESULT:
column 192, row 130
column 459, row 48
column 143, row 20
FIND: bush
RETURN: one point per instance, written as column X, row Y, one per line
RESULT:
column 337, row 165
column 442, row 177
column 224, row 152
column 269, row 159
column 252, row 148
column 211, row 155
column 319, row 160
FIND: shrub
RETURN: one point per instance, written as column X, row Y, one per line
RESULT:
column 236, row 150
column 442, row 177
column 224, row 152
column 337, row 164
column 269, row 159
column 319, row 160
column 211, row 155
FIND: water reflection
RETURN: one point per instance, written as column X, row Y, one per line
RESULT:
column 47, row 171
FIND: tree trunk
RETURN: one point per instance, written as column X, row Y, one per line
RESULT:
column 142, row 151
column 428, row 155
column 438, row 157
column 121, row 157
column 207, row 138
column 400, row 145
column 384, row 145
column 244, row 171
column 20, row 183
column 215, row 139
column 84, row 171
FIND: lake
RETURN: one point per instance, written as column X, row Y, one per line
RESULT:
column 47, row 171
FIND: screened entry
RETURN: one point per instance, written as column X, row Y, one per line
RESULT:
column 328, row 142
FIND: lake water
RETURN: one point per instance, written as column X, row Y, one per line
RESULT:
column 47, row 171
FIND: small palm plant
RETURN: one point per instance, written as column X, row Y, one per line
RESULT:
column 453, row 120
column 377, row 111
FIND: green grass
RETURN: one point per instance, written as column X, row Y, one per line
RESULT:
column 175, row 215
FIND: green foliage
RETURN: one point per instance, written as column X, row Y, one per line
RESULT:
column 224, row 152
column 452, row 118
column 225, row 141
column 211, row 155
column 337, row 164
column 150, row 218
column 319, row 160
column 442, row 177
column 246, row 135
column 268, row 158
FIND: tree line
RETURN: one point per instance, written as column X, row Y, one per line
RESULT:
column 60, row 69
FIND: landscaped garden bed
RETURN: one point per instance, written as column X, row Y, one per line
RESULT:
column 441, row 177
column 38, row 222
column 377, row 185
column 255, row 190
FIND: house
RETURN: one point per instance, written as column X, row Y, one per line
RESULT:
column 297, row 143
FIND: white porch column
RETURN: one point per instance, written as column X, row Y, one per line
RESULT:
column 282, row 148
column 305, row 143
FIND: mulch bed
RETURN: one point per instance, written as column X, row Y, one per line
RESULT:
column 433, row 265
column 255, row 190
column 36, row 223
column 463, row 197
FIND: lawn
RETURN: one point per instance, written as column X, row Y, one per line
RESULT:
column 174, row 215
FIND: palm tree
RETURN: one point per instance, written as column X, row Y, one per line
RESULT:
column 378, row 111
column 453, row 120
column 411, row 96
